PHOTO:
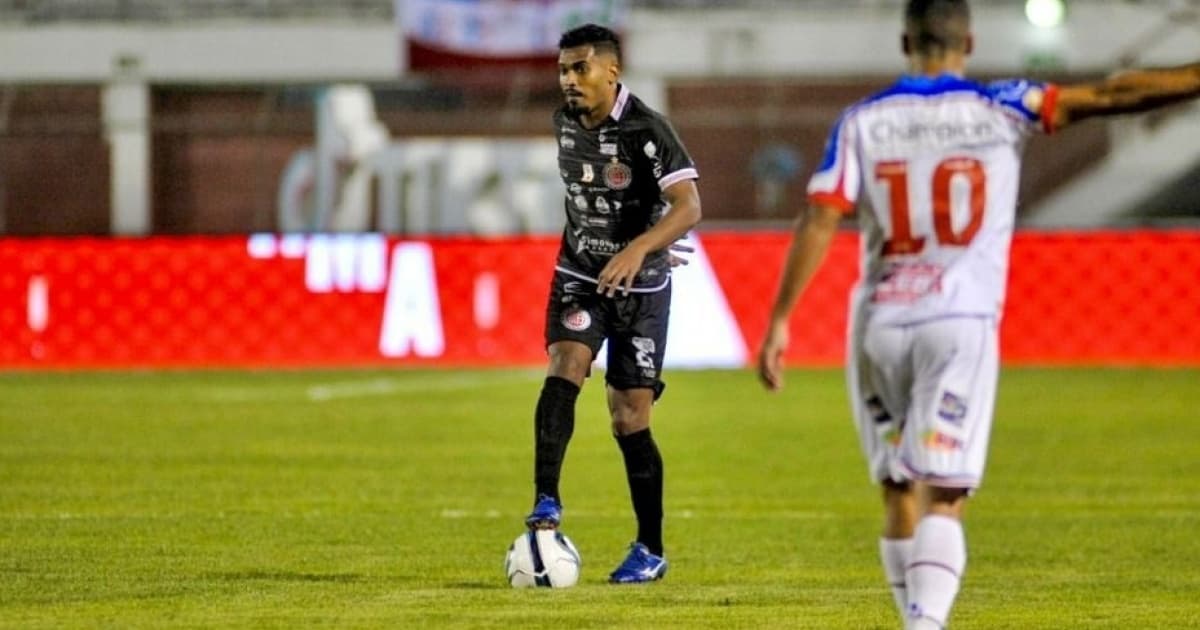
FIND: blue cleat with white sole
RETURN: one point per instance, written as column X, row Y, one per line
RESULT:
column 547, row 514
column 640, row 566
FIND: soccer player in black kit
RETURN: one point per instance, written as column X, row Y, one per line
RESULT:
column 630, row 193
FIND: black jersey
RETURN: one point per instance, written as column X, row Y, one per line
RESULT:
column 615, row 175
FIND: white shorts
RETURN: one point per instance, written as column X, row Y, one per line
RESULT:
column 923, row 396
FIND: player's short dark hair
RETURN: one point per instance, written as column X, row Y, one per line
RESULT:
column 600, row 38
column 936, row 26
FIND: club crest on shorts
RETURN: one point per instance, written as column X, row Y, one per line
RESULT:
column 577, row 319
column 617, row 176
column 953, row 408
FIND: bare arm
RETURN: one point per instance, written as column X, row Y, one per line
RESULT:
column 814, row 231
column 683, row 215
column 1128, row 92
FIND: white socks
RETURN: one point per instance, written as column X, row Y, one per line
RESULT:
column 894, row 553
column 939, row 554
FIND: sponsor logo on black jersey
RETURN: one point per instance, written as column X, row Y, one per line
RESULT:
column 617, row 176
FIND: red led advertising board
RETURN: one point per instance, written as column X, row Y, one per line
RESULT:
column 1083, row 298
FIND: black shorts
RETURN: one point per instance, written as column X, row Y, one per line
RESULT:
column 634, row 325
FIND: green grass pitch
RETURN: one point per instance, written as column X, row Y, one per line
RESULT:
column 387, row 499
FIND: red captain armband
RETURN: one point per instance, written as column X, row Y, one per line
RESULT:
column 1049, row 104
column 832, row 200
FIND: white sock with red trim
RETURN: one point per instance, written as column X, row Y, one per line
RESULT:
column 894, row 554
column 935, row 568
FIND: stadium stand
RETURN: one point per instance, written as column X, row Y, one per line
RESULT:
column 42, row 11
column 744, row 113
column 169, row 10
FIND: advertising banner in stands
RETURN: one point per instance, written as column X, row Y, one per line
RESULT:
column 474, row 34
column 1084, row 298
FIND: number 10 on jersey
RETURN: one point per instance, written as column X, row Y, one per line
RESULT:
column 895, row 174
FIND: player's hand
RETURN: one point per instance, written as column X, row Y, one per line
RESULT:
column 620, row 271
column 770, row 357
column 678, row 260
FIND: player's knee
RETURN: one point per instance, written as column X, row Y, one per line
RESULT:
column 571, row 361
column 629, row 414
column 628, row 425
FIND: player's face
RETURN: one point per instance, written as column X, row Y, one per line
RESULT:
column 586, row 78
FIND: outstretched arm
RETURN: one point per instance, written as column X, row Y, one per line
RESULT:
column 814, row 231
column 683, row 215
column 1127, row 92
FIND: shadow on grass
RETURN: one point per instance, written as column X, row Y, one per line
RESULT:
column 477, row 586
column 345, row 578
column 286, row 576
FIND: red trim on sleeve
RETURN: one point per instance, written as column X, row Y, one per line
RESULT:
column 831, row 199
column 1049, row 105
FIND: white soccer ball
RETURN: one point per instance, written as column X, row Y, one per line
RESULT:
column 542, row 557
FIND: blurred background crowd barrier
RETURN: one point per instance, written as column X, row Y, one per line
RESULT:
column 428, row 121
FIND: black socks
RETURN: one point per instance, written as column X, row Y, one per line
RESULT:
column 554, row 422
column 644, row 469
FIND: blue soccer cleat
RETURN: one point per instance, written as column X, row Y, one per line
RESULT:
column 639, row 566
column 547, row 514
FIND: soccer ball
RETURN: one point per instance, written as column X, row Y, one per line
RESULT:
column 542, row 557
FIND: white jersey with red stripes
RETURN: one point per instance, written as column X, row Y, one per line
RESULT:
column 936, row 162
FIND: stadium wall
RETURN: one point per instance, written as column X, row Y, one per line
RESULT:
column 1080, row 298
column 221, row 153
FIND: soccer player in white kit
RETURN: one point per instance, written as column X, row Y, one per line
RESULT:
column 932, row 163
